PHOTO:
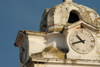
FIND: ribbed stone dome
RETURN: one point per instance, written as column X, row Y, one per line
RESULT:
column 66, row 14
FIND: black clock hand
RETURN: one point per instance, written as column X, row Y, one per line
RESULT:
column 80, row 39
column 78, row 42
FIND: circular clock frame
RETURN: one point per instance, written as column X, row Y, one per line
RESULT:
column 81, row 41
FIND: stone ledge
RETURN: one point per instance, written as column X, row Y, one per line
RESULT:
column 67, row 61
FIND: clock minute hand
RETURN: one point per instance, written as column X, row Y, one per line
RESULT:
column 80, row 39
column 78, row 42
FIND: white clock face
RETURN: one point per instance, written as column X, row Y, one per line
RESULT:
column 82, row 41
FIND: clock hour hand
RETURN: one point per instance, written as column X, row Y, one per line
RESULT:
column 77, row 42
column 80, row 39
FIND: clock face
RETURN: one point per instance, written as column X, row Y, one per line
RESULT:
column 23, row 51
column 81, row 41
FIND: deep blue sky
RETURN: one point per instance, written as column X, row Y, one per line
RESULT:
column 18, row 15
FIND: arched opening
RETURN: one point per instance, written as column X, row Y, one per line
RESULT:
column 73, row 17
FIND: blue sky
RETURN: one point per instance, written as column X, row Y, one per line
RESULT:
column 18, row 15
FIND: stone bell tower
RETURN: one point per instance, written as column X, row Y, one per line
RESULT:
column 69, row 37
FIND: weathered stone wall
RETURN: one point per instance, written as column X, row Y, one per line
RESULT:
column 58, row 16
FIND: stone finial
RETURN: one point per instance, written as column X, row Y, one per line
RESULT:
column 68, row 1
